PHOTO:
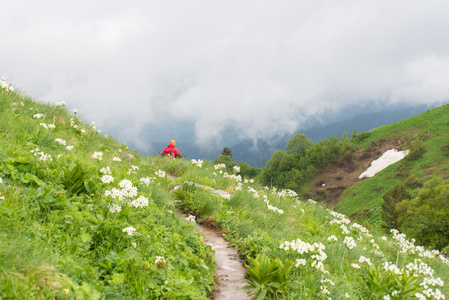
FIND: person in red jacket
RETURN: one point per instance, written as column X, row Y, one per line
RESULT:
column 171, row 151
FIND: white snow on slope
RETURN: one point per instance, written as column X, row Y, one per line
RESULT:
column 389, row 157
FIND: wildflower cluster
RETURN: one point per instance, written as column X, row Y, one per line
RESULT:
column 114, row 208
column 255, row 193
column 129, row 230
column 332, row 238
column 324, row 288
column 191, row 218
column 198, row 163
column 97, row 155
column 271, row 207
column 60, row 141
column 303, row 247
column 115, row 158
column 127, row 191
column 38, row 116
column 237, row 178
column 160, row 173
column 287, row 193
column 349, row 241
column 107, row 179
column 219, row 166
column 48, row 126
column 160, row 259
column 43, row 156
column 132, row 169
column 105, row 170
column 147, row 180
column 409, row 246
column 139, row 202
column 5, row 85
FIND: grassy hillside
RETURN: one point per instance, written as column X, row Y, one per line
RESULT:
column 95, row 221
column 81, row 217
column 432, row 129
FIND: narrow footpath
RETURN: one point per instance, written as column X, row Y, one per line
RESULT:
column 229, row 271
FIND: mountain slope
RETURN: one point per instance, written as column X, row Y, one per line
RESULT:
column 82, row 217
column 338, row 184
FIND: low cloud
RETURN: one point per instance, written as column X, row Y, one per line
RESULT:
column 261, row 66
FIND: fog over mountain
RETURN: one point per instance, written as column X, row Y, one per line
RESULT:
column 256, row 152
column 201, row 69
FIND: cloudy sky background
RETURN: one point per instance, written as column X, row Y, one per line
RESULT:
column 263, row 66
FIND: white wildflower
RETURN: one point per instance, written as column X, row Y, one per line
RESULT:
column 300, row 262
column 349, row 242
column 198, row 163
column 160, row 173
column 219, row 166
column 105, row 170
column 107, row 179
column 129, row 230
column 147, row 180
column 332, row 238
column 191, row 218
column 60, row 141
column 97, row 155
column 114, row 208
column 160, row 259
column 139, row 202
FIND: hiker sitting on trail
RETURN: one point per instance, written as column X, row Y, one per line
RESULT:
column 171, row 151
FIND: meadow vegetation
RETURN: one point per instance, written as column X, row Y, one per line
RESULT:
column 306, row 166
column 82, row 217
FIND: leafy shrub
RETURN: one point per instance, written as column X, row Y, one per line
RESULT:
column 362, row 136
column 413, row 181
column 417, row 150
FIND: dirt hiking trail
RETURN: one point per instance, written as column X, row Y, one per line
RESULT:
column 229, row 271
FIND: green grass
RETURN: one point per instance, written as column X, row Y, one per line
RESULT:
column 254, row 229
column 64, row 243
column 60, row 244
column 431, row 128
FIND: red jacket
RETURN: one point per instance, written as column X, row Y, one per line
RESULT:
column 170, row 150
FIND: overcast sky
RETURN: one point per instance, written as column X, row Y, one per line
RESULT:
column 261, row 65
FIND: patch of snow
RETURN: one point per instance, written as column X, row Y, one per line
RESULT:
column 389, row 157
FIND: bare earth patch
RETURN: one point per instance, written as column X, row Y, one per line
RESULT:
column 333, row 180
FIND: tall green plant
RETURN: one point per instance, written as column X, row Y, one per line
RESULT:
column 77, row 179
column 269, row 278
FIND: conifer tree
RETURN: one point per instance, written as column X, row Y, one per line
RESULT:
column 227, row 151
